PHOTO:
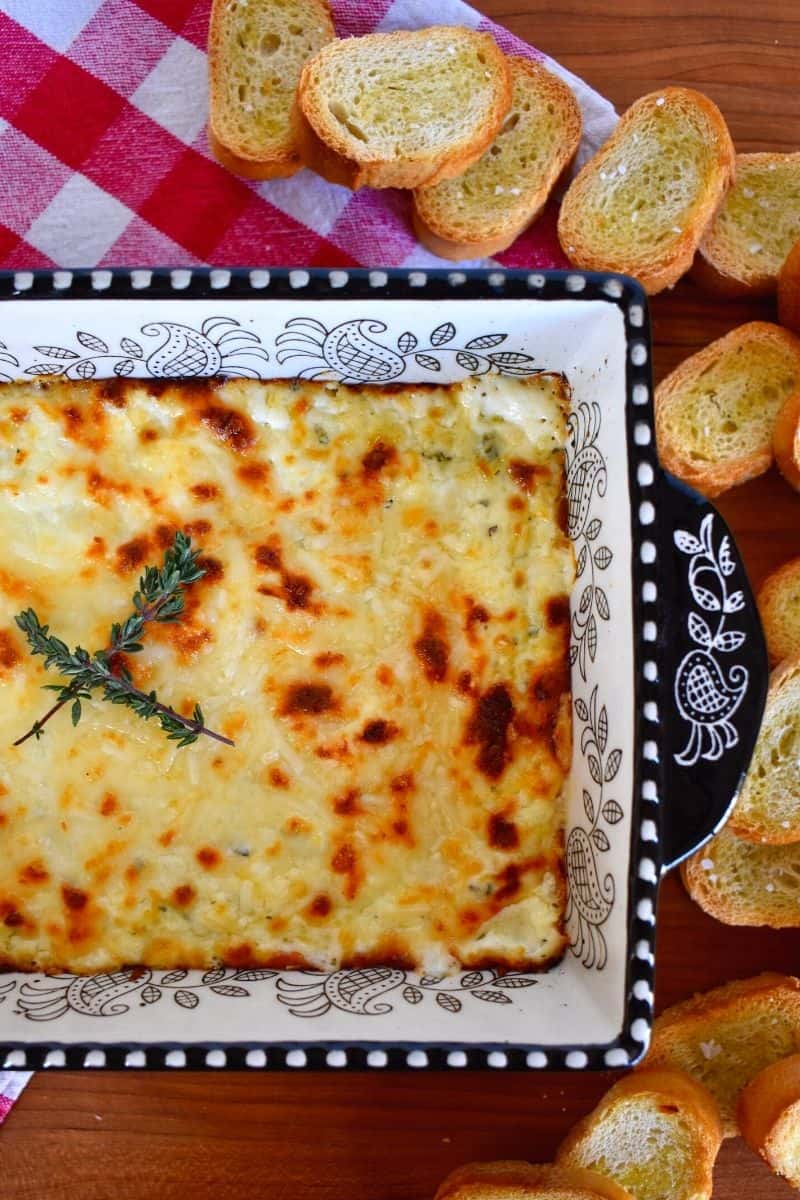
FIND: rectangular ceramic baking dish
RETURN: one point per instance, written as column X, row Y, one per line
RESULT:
column 668, row 663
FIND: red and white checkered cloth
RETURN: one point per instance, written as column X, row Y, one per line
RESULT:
column 104, row 159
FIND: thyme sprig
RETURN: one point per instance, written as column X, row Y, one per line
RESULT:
column 160, row 598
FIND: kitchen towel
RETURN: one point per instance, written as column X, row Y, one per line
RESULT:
column 104, row 159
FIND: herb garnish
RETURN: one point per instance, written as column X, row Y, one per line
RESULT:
column 160, row 598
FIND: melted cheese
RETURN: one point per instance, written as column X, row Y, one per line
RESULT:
column 382, row 628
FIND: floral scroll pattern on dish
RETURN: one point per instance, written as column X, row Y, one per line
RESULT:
column 362, row 992
column 351, row 352
column 590, row 886
column 707, row 691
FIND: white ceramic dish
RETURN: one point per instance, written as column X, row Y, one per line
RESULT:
column 666, row 703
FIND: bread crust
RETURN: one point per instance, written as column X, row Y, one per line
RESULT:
column 739, row 823
column 512, row 1180
column 713, row 478
column 430, row 224
column 277, row 164
column 767, row 1106
column 698, row 879
column 786, row 441
column 698, row 1018
column 325, row 149
column 662, row 1086
column 780, row 642
column 720, row 274
column 654, row 274
column 789, row 290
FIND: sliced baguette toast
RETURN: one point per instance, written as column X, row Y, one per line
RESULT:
column 743, row 883
column 716, row 412
column 754, row 229
column 724, row 1037
column 403, row 109
column 769, row 1117
column 642, row 204
column 789, row 290
column 256, row 50
column 657, row 1133
column 768, row 808
column 786, row 441
column 779, row 608
column 482, row 211
column 510, row 1180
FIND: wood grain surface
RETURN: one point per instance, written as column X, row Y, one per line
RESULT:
column 374, row 1137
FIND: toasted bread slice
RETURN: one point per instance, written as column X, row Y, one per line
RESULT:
column 656, row 1133
column 769, row 1117
column 256, row 49
column 724, row 1037
column 642, row 204
column 754, row 229
column 786, row 441
column 403, row 109
column 768, row 808
column 716, row 412
column 779, row 608
column 789, row 290
column 744, row 883
column 510, row 1180
column 484, row 210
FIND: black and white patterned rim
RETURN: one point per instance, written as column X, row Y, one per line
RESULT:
column 650, row 672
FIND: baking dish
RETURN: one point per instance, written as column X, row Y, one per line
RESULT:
column 669, row 667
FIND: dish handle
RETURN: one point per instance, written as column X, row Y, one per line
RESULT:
column 716, row 677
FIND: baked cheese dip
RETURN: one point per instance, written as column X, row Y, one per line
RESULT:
column 382, row 629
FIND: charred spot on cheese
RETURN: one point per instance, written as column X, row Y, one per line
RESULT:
column 432, row 648
column 97, row 548
column 384, row 675
column 34, row 872
column 516, row 504
column 9, row 654
column 320, row 906
column 297, row 590
column 524, row 474
column 402, row 783
column 347, row 805
column 328, row 658
column 345, row 862
column 11, row 915
column 148, row 434
column 233, row 428
column 380, row 455
column 75, row 899
column 477, row 614
column 254, row 474
column 562, row 513
column 503, row 833
column 378, row 732
column 208, row 857
column 198, row 528
column 557, row 610
column 132, row 555
column 205, row 491
column 464, row 683
column 108, row 804
column 183, row 895
column 278, row 778
column 311, row 698
column 489, row 729
column 269, row 555
column 114, row 392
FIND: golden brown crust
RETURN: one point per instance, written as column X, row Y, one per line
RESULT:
column 713, row 478
column 697, row 1021
column 430, row 222
column 717, row 271
column 768, row 1103
column 657, row 272
column 277, row 164
column 662, row 1086
column 324, row 148
column 789, row 290
column 512, row 1180
column 781, row 642
column 786, row 441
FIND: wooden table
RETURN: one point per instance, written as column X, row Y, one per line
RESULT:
column 393, row 1137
